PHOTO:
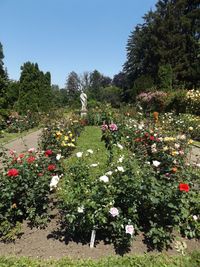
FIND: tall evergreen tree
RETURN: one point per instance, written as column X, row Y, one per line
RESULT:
column 73, row 86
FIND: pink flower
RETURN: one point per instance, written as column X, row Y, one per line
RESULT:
column 31, row 150
column 104, row 127
column 129, row 229
column 113, row 127
column 114, row 212
column 31, row 159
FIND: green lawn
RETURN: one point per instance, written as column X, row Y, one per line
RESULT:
column 160, row 260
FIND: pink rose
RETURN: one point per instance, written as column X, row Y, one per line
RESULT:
column 104, row 127
column 113, row 127
column 114, row 212
column 129, row 229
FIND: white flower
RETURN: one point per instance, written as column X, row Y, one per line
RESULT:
column 54, row 181
column 140, row 126
column 120, row 169
column 114, row 212
column 195, row 217
column 104, row 179
column 58, row 156
column 80, row 209
column 156, row 163
column 120, row 146
column 79, row 154
column 121, row 159
column 32, row 149
column 108, row 173
column 129, row 229
column 94, row 165
column 191, row 128
column 90, row 151
column 176, row 145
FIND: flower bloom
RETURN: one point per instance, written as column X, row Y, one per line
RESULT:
column 104, row 127
column 113, row 127
column 79, row 154
column 12, row 172
column 109, row 173
column 195, row 218
column 120, row 146
column 90, row 151
column 30, row 159
column 120, row 169
column 184, row 187
column 54, row 181
column 31, row 150
column 156, row 163
column 129, row 229
column 80, row 209
column 114, row 212
column 48, row 152
column 104, row 179
column 51, row 167
column 58, row 156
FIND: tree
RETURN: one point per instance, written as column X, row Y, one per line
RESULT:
column 34, row 89
column 73, row 86
column 168, row 36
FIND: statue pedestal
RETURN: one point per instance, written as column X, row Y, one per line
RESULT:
column 83, row 113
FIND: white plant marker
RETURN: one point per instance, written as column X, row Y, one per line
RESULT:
column 92, row 240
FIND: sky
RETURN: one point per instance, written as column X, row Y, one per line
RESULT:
column 68, row 35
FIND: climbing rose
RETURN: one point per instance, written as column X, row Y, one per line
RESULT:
column 12, row 172
column 51, row 167
column 184, row 187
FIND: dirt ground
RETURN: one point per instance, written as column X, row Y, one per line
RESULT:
column 41, row 243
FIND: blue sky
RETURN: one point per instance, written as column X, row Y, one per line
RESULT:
column 66, row 35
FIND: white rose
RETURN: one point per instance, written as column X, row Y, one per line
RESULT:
column 79, row 154
column 156, row 163
column 58, row 156
column 120, row 169
column 104, row 179
column 90, row 151
column 54, row 181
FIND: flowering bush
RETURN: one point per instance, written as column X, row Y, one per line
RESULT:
column 152, row 101
column 18, row 123
column 110, row 135
column 193, row 101
column 25, row 187
column 58, row 138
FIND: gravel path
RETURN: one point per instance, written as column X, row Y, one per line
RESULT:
column 24, row 143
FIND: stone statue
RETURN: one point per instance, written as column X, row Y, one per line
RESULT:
column 83, row 98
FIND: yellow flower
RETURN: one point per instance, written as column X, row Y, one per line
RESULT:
column 63, row 143
column 66, row 138
column 190, row 142
column 174, row 153
column 70, row 135
column 58, row 134
column 73, row 140
column 165, row 148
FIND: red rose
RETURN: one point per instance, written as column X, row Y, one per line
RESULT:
column 184, row 187
column 152, row 138
column 12, row 172
column 31, row 159
column 51, row 167
column 48, row 152
column 21, row 156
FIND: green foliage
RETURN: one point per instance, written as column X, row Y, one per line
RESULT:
column 112, row 95
column 165, row 77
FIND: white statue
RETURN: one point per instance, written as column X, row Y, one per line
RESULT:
column 83, row 98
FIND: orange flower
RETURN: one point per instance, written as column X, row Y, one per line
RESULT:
column 174, row 169
column 155, row 115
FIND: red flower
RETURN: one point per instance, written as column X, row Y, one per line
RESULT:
column 152, row 138
column 184, row 187
column 21, row 156
column 12, row 172
column 31, row 159
column 48, row 152
column 51, row 167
